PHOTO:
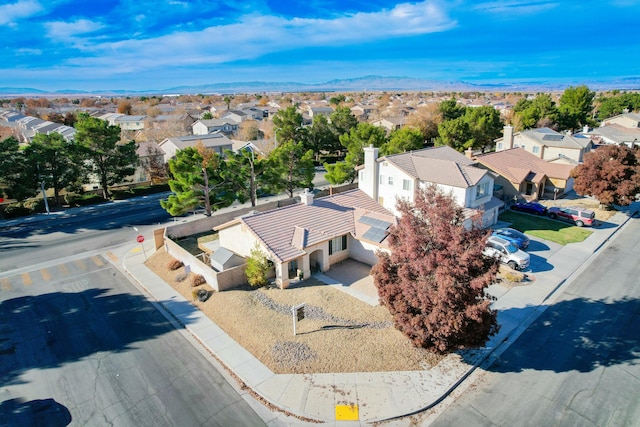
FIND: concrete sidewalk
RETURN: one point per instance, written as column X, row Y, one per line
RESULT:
column 348, row 399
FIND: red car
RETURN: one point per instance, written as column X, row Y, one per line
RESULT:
column 577, row 216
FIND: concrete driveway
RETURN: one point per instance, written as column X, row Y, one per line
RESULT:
column 352, row 277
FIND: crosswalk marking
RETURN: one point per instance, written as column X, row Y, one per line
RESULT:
column 45, row 274
column 97, row 260
column 26, row 279
column 63, row 269
column 6, row 284
column 80, row 264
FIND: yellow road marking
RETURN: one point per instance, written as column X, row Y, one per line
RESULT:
column 6, row 284
column 26, row 279
column 347, row 413
column 63, row 269
column 97, row 260
column 136, row 249
column 112, row 256
column 45, row 274
column 80, row 264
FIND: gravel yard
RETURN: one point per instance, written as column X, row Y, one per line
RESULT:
column 339, row 333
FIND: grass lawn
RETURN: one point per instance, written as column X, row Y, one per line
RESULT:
column 555, row 231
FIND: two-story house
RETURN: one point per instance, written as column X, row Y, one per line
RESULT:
column 623, row 129
column 205, row 127
column 400, row 175
column 546, row 144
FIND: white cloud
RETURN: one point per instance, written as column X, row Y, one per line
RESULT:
column 61, row 30
column 515, row 7
column 28, row 52
column 253, row 35
column 9, row 13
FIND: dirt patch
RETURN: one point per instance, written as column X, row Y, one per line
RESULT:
column 339, row 333
column 582, row 202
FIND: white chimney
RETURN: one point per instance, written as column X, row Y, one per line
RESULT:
column 307, row 197
column 508, row 137
column 368, row 181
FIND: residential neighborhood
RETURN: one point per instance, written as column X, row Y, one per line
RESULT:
column 403, row 233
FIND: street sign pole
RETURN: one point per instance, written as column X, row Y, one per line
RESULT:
column 140, row 239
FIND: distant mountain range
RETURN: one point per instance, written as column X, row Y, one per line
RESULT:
column 366, row 83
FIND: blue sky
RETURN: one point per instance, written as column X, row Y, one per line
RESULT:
column 158, row 44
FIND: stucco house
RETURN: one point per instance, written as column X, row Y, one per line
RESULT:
column 217, row 141
column 388, row 178
column 547, row 144
column 522, row 174
column 312, row 235
column 391, row 123
column 205, row 127
column 623, row 129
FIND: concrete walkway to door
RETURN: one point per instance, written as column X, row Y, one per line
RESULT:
column 352, row 277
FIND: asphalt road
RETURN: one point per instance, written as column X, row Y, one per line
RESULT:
column 42, row 238
column 578, row 364
column 78, row 343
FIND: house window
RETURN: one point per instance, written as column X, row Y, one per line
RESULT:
column 361, row 177
column 482, row 190
column 499, row 146
column 390, row 180
column 536, row 150
column 381, row 179
column 338, row 244
column 406, row 184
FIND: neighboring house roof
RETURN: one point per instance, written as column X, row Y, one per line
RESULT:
column 125, row 118
column 212, row 123
column 439, row 165
column 551, row 138
column 285, row 232
column 261, row 147
column 210, row 140
column 518, row 165
column 616, row 133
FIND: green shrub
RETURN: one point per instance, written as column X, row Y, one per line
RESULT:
column 36, row 205
column 203, row 295
column 16, row 210
column 73, row 199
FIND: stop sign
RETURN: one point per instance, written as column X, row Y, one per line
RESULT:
column 140, row 238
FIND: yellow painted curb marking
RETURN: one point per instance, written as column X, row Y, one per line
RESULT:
column 136, row 249
column 26, row 279
column 347, row 413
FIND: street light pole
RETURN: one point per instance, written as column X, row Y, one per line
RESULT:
column 44, row 194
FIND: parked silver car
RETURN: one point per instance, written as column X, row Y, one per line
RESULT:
column 507, row 252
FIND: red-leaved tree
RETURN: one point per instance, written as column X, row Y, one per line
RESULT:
column 610, row 173
column 434, row 280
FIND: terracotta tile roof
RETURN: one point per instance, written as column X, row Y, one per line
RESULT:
column 516, row 164
column 287, row 231
column 440, row 165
